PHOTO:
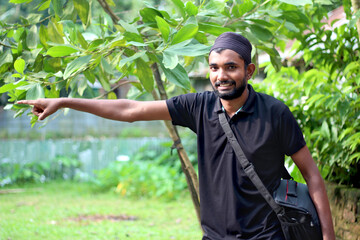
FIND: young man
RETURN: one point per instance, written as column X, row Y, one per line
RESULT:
column 231, row 206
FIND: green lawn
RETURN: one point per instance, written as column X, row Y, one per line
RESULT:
column 73, row 211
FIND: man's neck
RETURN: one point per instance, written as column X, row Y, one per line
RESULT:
column 232, row 106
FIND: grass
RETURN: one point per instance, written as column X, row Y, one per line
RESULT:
column 72, row 211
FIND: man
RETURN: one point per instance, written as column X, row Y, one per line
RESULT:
column 231, row 206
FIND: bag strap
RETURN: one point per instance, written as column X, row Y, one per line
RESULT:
column 248, row 166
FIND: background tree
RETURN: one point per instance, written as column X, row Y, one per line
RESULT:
column 62, row 47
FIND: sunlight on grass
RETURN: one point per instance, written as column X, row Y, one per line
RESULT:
column 73, row 211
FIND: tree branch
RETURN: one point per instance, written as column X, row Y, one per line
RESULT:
column 115, row 87
column 5, row 45
column 108, row 10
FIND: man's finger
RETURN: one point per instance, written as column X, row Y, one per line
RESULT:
column 28, row 102
column 43, row 115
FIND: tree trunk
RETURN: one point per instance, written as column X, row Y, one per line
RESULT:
column 356, row 6
column 187, row 167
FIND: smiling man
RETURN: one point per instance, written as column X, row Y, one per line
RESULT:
column 231, row 206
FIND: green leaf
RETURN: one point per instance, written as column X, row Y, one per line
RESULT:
column 16, row 75
column 191, row 50
column 240, row 9
column 261, row 33
column 111, row 95
column 170, row 60
column 84, row 44
column 19, row 65
column 6, row 59
column 128, row 27
column 177, row 76
column 82, row 7
column 270, row 51
column 297, row 2
column 55, row 32
column 44, row 5
column 213, row 28
column 276, row 62
column 145, row 75
column 82, row 85
column 35, row 92
column 77, row 64
column 90, row 76
column 132, row 58
column 106, row 66
column 110, row 3
column 19, row 1
column 163, row 27
column 191, row 9
column 185, row 33
column 104, row 81
column 32, row 37
column 149, row 14
column 180, row 6
column 11, row 86
column 325, row 130
column 43, row 35
column 57, row 6
column 61, row 51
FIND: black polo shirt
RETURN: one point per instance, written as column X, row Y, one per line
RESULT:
column 231, row 206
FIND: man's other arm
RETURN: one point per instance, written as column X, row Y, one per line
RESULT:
column 120, row 109
column 311, row 174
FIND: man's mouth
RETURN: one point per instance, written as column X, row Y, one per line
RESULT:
column 224, row 83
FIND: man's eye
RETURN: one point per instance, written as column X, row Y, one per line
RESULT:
column 232, row 67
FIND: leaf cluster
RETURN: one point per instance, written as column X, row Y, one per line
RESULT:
column 324, row 96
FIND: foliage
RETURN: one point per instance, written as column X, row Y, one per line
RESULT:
column 325, row 98
column 50, row 53
column 148, row 174
column 38, row 172
column 141, row 179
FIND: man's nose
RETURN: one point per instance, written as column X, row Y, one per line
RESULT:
column 222, row 75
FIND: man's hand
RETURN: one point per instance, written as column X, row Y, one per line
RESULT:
column 43, row 107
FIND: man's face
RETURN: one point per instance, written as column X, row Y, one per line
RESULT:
column 227, row 74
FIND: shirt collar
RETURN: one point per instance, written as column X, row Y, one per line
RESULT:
column 248, row 107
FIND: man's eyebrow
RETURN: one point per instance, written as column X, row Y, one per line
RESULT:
column 226, row 64
column 231, row 63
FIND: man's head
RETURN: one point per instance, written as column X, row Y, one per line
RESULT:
column 235, row 42
column 230, row 65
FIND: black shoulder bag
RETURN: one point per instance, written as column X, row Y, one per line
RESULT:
column 291, row 201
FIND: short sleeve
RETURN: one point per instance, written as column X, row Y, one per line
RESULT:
column 182, row 110
column 291, row 137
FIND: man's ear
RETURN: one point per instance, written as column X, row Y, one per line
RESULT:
column 250, row 70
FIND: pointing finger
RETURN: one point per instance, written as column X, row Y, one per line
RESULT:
column 28, row 102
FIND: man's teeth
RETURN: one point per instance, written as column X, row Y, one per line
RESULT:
column 225, row 84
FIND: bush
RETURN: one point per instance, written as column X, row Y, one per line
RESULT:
column 148, row 174
column 38, row 172
column 324, row 96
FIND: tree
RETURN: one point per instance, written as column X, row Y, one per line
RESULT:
column 68, row 45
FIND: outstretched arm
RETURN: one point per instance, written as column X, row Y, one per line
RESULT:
column 120, row 109
column 311, row 174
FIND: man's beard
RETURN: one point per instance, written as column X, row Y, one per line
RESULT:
column 233, row 94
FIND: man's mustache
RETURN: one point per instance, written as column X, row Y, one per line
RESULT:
column 231, row 82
